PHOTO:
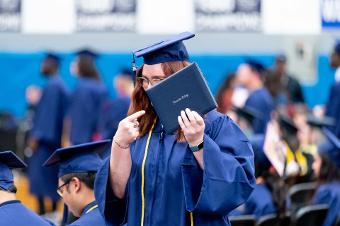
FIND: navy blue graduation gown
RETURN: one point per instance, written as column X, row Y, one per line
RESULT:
column 90, row 216
column 16, row 214
column 333, row 106
column 113, row 112
column 260, row 100
column 329, row 193
column 260, row 202
column 176, row 185
column 85, row 106
column 47, row 130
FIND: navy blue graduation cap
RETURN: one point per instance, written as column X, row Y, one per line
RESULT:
column 337, row 47
column 8, row 160
column 248, row 113
column 262, row 163
column 333, row 150
column 80, row 158
column 52, row 57
column 171, row 49
column 317, row 122
column 87, row 53
column 281, row 58
column 287, row 125
column 255, row 66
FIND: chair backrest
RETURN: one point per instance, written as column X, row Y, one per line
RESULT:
column 313, row 215
column 301, row 195
column 337, row 222
column 273, row 220
column 245, row 220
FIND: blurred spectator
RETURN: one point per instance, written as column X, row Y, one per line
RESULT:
column 250, row 75
column 333, row 104
column 284, row 88
column 46, row 133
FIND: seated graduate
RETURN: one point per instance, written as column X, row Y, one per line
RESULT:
column 78, row 166
column 326, row 167
column 12, row 212
column 261, row 201
column 193, row 177
column 298, row 162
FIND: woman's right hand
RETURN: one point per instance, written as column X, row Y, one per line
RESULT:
column 128, row 129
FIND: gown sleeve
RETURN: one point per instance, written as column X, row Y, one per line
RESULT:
column 325, row 195
column 228, row 176
column 111, row 208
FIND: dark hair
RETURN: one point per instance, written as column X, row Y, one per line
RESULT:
column 226, row 86
column 273, row 83
column 328, row 170
column 87, row 68
column 49, row 66
column 140, row 100
column 87, row 178
column 277, row 187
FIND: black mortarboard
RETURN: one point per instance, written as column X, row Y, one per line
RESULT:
column 248, row 113
column 255, row 66
column 262, row 163
column 287, row 125
column 337, row 47
column 87, row 53
column 171, row 49
column 8, row 160
column 80, row 158
column 52, row 57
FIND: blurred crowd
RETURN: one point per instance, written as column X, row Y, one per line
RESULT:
column 296, row 148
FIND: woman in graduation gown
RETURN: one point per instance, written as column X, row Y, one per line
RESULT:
column 326, row 167
column 86, row 100
column 194, row 177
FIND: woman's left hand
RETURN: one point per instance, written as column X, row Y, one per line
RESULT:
column 192, row 125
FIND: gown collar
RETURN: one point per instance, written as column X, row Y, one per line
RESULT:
column 9, row 202
column 89, row 207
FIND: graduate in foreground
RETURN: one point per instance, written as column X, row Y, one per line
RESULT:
column 12, row 211
column 195, row 176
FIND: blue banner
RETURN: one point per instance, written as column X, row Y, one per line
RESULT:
column 330, row 14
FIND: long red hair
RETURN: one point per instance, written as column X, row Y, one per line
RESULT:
column 140, row 100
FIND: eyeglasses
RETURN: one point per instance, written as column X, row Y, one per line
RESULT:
column 59, row 191
column 146, row 81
